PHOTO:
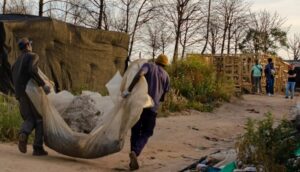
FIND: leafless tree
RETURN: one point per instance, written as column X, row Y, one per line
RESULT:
column 230, row 12
column 133, row 15
column 18, row 7
column 265, row 33
column 294, row 45
column 95, row 9
column 157, row 38
column 152, row 38
column 216, row 36
column 179, row 14
column 207, row 27
column 192, row 26
column 4, row 6
column 41, row 7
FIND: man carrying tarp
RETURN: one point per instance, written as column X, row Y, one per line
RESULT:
column 158, row 84
column 24, row 69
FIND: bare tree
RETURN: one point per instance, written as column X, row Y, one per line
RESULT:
column 18, row 7
column 133, row 15
column 207, row 27
column 230, row 12
column 41, row 7
column 156, row 36
column 216, row 37
column 4, row 7
column 96, row 13
column 178, row 13
column 294, row 45
column 192, row 27
column 265, row 33
column 152, row 38
column 165, row 37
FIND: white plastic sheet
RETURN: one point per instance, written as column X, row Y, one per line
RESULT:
column 119, row 115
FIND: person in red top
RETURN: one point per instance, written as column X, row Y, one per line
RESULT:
column 158, row 85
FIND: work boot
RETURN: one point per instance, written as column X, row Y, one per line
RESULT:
column 23, row 138
column 39, row 152
column 134, row 164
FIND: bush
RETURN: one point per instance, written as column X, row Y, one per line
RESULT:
column 174, row 102
column 197, row 82
column 10, row 119
column 266, row 146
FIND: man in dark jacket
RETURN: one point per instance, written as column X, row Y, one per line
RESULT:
column 24, row 69
column 158, row 84
column 270, row 78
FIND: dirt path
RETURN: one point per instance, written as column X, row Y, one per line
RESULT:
column 177, row 140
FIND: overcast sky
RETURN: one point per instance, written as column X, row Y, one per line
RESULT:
column 289, row 9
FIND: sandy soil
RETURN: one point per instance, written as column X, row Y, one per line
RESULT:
column 177, row 142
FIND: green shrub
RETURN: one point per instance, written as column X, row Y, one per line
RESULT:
column 174, row 102
column 10, row 119
column 196, row 81
column 266, row 146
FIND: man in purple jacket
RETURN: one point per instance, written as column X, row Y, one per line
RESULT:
column 158, row 85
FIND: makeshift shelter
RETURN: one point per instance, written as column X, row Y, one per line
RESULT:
column 238, row 69
column 73, row 57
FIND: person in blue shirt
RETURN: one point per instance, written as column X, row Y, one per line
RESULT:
column 256, row 73
column 158, row 85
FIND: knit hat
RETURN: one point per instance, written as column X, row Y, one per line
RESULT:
column 162, row 59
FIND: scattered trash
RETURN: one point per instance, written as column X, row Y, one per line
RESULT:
column 211, row 138
column 252, row 111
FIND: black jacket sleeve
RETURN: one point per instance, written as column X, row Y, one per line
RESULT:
column 33, row 70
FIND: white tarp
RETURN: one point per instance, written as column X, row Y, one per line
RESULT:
column 118, row 115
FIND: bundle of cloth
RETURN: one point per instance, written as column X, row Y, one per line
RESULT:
column 116, row 115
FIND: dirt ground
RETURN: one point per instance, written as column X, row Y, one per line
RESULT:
column 177, row 142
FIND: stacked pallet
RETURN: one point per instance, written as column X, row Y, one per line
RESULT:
column 238, row 69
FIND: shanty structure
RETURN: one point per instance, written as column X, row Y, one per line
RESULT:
column 238, row 69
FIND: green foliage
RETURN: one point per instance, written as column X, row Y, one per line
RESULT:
column 196, row 81
column 10, row 119
column 174, row 102
column 266, row 146
column 263, row 41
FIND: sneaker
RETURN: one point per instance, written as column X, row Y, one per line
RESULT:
column 292, row 97
column 22, row 145
column 134, row 164
column 286, row 97
column 269, row 94
column 39, row 152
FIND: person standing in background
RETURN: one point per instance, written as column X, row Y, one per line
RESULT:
column 256, row 73
column 290, row 86
column 270, row 77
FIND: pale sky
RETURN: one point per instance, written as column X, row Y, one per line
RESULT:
column 289, row 9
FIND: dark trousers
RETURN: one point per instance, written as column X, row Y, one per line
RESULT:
column 32, row 120
column 256, row 84
column 142, row 130
column 270, row 85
